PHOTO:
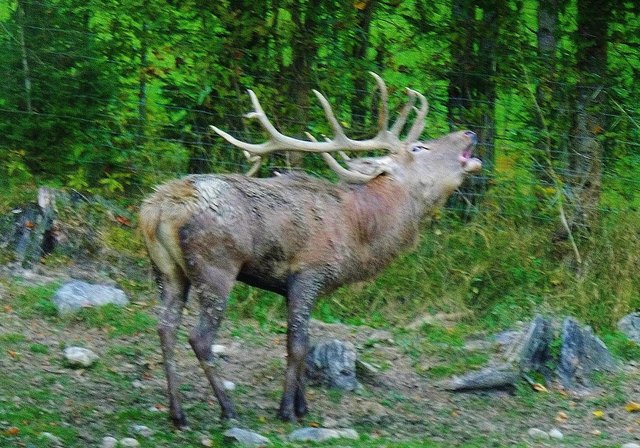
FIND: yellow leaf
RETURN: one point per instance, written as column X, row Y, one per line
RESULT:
column 539, row 387
column 360, row 4
column 561, row 417
column 632, row 406
column 314, row 424
column 598, row 414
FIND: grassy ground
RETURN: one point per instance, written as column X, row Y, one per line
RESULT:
column 402, row 406
column 487, row 274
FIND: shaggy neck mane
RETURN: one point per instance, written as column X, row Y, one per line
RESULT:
column 380, row 208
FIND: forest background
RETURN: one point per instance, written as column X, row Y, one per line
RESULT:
column 111, row 98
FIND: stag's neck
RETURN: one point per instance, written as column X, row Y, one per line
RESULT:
column 386, row 221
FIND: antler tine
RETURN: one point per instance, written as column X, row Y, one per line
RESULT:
column 418, row 124
column 256, row 160
column 348, row 176
column 384, row 97
column 404, row 113
column 338, row 132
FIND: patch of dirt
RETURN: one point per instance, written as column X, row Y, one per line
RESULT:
column 396, row 403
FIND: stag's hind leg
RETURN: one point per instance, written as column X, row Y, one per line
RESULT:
column 174, row 289
column 212, row 286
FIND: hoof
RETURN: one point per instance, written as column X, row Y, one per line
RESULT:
column 287, row 416
column 229, row 417
column 301, row 411
column 180, row 422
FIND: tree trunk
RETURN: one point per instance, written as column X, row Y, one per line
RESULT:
column 304, row 48
column 550, row 133
column 585, row 161
column 142, row 84
column 472, row 86
column 26, row 72
column 359, row 54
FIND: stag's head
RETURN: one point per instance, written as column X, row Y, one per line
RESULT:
column 435, row 167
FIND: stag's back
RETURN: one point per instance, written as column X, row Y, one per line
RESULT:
column 266, row 221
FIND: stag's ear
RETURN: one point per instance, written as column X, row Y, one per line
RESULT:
column 371, row 166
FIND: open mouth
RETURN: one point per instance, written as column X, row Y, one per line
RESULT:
column 469, row 163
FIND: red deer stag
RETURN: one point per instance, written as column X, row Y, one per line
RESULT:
column 293, row 234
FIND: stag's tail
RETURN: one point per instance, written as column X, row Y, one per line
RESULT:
column 161, row 216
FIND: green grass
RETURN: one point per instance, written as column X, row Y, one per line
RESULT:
column 34, row 301
column 39, row 348
column 117, row 321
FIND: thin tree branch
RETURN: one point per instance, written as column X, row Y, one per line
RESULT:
column 557, row 181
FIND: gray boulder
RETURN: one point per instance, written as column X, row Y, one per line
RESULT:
column 333, row 364
column 582, row 354
column 525, row 351
column 76, row 294
column 322, row 434
column 500, row 376
column 533, row 351
column 245, row 438
column 629, row 325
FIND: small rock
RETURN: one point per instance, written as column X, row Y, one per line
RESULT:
column 79, row 356
column 322, row 434
column 205, row 441
column 329, row 422
column 556, row 434
column 109, row 442
column 129, row 442
column 245, row 438
column 538, row 434
column 56, row 441
column 333, row 363
column 630, row 326
column 76, row 294
column 228, row 385
column 630, row 445
column 137, row 384
column 491, row 377
column 218, row 349
column 142, row 430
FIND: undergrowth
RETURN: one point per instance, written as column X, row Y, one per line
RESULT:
column 495, row 269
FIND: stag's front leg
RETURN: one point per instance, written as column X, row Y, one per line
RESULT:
column 300, row 299
column 212, row 290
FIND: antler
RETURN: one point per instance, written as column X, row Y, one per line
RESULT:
column 384, row 139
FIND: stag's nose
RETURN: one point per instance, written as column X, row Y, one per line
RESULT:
column 471, row 136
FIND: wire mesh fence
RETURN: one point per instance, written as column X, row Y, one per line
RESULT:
column 115, row 100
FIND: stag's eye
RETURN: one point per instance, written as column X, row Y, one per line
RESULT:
column 419, row 147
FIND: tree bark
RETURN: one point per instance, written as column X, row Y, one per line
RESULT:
column 364, row 17
column 585, row 159
column 472, row 86
column 26, row 71
column 305, row 49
